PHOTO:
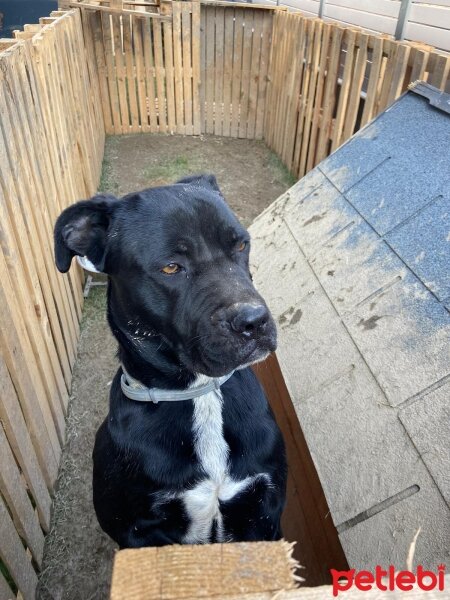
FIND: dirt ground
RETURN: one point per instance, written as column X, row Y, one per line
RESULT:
column 78, row 555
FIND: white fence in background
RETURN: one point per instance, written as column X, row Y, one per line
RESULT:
column 425, row 21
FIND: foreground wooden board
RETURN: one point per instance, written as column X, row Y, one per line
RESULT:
column 250, row 571
column 207, row 571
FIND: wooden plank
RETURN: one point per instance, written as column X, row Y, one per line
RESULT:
column 93, row 91
column 131, row 83
column 202, row 68
column 196, row 60
column 120, row 73
column 13, row 554
column 440, row 74
column 318, row 100
column 150, row 76
column 210, row 69
column 19, row 439
column 14, row 492
column 237, row 71
column 300, row 163
column 219, row 46
column 349, row 38
column 227, row 70
column 140, row 75
column 419, row 66
column 112, row 82
column 290, row 124
column 255, row 73
column 187, row 66
column 178, row 68
column 306, row 95
column 329, row 95
column 354, row 100
column 160, row 76
column 399, row 71
column 245, row 77
column 386, row 79
column 374, row 76
column 170, row 82
column 271, row 74
column 263, row 74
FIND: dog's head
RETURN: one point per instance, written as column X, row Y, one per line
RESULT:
column 178, row 263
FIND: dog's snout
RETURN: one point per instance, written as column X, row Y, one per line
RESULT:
column 248, row 319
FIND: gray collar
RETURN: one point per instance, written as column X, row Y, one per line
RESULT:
column 135, row 390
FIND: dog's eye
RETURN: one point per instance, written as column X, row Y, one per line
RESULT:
column 242, row 246
column 171, row 269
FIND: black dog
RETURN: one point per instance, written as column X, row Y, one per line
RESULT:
column 185, row 313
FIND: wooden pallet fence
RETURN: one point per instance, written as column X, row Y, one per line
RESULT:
column 51, row 149
column 148, row 68
column 235, row 46
column 326, row 81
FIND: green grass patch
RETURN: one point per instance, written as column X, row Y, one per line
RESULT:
column 171, row 169
column 281, row 172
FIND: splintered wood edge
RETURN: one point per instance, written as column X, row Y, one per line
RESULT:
column 249, row 569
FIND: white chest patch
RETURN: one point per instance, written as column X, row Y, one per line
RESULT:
column 202, row 501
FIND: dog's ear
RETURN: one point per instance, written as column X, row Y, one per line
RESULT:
column 82, row 229
column 207, row 181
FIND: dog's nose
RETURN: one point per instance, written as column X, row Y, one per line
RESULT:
column 248, row 319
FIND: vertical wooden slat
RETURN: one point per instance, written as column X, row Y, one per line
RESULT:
column 178, row 68
column 187, row 66
column 440, row 74
column 263, row 74
column 170, row 89
column 203, row 70
column 112, row 79
column 293, row 158
column 210, row 68
column 356, row 87
column 374, row 75
column 255, row 73
column 160, row 76
column 227, row 70
column 150, row 75
column 399, row 71
column 420, row 64
column 140, row 73
column 196, row 61
column 349, row 38
column 237, row 70
column 131, row 83
column 219, row 45
column 318, row 100
column 245, row 76
column 330, row 94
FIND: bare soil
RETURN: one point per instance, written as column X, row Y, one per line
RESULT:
column 78, row 555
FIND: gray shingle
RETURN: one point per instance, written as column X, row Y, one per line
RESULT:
column 427, row 422
column 404, row 335
column 423, row 242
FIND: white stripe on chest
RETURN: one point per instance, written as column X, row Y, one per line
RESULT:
column 202, row 501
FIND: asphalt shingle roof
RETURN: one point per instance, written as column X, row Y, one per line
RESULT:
column 354, row 261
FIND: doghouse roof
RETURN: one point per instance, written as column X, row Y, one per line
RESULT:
column 354, row 263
